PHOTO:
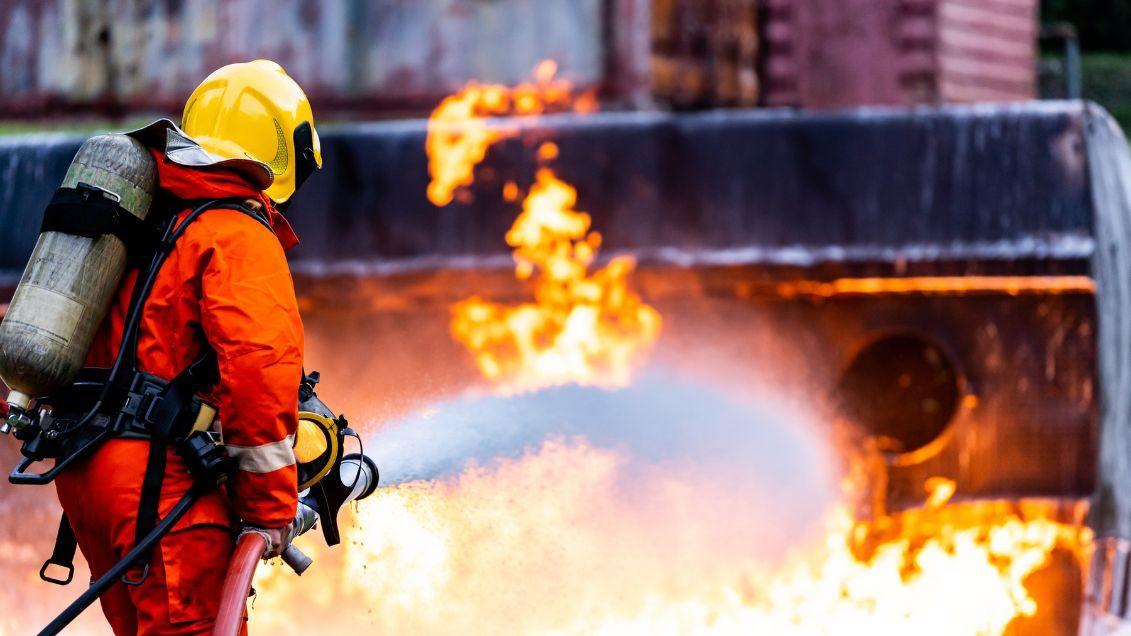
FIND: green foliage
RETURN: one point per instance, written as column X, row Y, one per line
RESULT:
column 1103, row 25
column 1107, row 80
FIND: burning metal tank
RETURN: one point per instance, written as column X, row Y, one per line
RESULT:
column 959, row 243
column 931, row 276
column 946, row 284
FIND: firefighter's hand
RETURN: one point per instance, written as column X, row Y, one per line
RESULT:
column 277, row 539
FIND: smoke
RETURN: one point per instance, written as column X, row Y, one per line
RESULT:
column 568, row 510
column 659, row 418
column 752, row 451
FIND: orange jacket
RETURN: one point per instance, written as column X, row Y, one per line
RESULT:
column 226, row 282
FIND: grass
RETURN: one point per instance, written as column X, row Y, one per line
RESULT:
column 89, row 126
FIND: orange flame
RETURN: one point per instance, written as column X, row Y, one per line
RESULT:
column 542, row 545
column 459, row 134
column 583, row 327
column 458, row 138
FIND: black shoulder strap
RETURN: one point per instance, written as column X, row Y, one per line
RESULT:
column 172, row 420
column 242, row 206
column 170, row 417
column 86, row 210
column 147, row 276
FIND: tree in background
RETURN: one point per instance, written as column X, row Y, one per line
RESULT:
column 1103, row 25
column 1104, row 29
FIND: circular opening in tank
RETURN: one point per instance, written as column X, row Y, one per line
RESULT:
column 903, row 390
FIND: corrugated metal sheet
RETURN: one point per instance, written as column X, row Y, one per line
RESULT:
column 739, row 184
column 840, row 53
column 395, row 56
column 51, row 52
column 704, row 52
column 353, row 54
column 987, row 50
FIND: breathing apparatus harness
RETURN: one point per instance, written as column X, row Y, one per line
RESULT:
column 124, row 402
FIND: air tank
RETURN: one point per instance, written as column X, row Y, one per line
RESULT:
column 70, row 280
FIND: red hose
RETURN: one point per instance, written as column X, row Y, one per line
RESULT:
column 237, row 585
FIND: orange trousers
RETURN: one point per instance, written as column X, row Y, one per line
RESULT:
column 181, row 595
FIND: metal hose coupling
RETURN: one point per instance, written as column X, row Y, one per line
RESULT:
column 290, row 554
column 305, row 519
column 1107, row 602
column 261, row 532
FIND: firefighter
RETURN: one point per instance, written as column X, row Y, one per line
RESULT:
column 246, row 136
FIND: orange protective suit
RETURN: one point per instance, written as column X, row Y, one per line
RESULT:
column 226, row 282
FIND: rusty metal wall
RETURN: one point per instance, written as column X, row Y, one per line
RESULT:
column 401, row 56
column 840, row 53
column 987, row 50
column 356, row 55
column 704, row 52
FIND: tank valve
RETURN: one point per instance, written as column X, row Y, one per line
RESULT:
column 16, row 419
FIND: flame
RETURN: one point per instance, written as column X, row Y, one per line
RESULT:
column 585, row 327
column 939, row 491
column 459, row 134
column 547, row 543
column 544, row 544
column 958, row 580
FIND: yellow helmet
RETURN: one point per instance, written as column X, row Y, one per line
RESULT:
column 254, row 110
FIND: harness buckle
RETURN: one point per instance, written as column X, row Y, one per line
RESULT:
column 141, row 405
column 126, row 580
column 69, row 568
column 148, row 407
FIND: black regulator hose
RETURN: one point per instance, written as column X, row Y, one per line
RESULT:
column 142, row 549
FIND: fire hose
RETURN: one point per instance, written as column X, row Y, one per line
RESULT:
column 358, row 472
column 327, row 481
column 107, row 580
column 237, row 584
column 357, row 479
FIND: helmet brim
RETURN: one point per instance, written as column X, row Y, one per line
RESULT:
column 181, row 149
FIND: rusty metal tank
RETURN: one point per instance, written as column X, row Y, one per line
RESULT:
column 69, row 280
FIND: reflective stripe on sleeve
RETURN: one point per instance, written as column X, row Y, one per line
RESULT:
column 264, row 458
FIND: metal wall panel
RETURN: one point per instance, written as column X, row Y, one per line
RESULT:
column 835, row 54
column 704, row 52
column 353, row 55
column 987, row 50
column 52, row 53
column 930, row 182
column 402, row 56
